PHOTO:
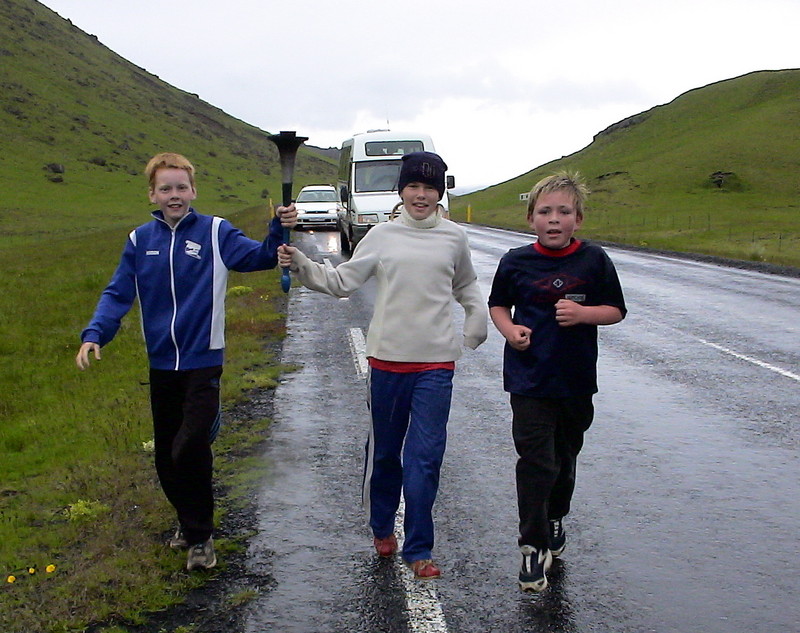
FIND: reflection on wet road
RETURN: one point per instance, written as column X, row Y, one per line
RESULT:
column 685, row 514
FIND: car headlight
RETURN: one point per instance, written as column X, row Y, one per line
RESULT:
column 367, row 218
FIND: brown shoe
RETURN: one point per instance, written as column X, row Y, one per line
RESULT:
column 424, row 569
column 386, row 547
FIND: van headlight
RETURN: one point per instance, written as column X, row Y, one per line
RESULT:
column 367, row 218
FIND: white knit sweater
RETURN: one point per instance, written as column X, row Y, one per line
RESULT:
column 420, row 265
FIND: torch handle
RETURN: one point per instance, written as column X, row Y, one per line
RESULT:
column 288, row 143
column 286, row 281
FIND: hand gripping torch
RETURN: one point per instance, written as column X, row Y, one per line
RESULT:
column 288, row 143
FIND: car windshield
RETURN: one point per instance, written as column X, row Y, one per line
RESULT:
column 377, row 175
column 317, row 196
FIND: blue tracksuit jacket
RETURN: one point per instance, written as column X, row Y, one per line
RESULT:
column 180, row 277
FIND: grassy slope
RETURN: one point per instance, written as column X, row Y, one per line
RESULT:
column 102, row 118
column 73, row 440
column 651, row 175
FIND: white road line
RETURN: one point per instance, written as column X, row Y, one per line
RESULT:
column 358, row 348
column 750, row 359
column 425, row 613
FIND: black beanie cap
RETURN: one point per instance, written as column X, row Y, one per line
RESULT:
column 425, row 167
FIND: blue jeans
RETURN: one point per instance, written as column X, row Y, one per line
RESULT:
column 409, row 418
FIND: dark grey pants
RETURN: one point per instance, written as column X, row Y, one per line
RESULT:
column 548, row 435
column 185, row 405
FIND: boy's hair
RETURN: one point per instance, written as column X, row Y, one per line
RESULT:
column 167, row 160
column 571, row 183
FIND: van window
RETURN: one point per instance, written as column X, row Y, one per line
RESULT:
column 392, row 148
column 377, row 175
column 344, row 162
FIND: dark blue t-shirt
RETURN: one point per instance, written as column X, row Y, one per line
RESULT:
column 561, row 362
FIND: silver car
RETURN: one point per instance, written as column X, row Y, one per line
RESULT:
column 317, row 205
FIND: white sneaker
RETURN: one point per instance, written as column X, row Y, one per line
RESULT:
column 201, row 556
column 533, row 573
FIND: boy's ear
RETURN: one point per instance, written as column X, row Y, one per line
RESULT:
column 151, row 195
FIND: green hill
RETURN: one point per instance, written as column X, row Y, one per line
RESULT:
column 79, row 123
column 715, row 171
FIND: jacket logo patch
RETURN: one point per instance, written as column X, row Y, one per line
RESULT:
column 193, row 249
column 151, row 253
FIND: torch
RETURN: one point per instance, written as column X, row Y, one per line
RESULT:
column 288, row 143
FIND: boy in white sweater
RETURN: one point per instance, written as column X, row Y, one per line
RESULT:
column 421, row 261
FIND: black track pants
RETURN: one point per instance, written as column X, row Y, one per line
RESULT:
column 185, row 405
column 548, row 435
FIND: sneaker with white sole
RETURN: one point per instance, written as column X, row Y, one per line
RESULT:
column 533, row 573
column 201, row 556
column 558, row 537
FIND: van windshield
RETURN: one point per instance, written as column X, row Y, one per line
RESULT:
column 377, row 175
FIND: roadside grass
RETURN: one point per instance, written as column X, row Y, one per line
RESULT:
column 755, row 228
column 79, row 490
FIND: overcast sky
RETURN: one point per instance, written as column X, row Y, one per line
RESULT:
column 503, row 86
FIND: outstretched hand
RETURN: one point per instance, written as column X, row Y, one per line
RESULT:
column 82, row 359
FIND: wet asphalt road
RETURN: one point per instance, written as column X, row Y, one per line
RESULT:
column 685, row 516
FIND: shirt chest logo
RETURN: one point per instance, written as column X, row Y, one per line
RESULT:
column 193, row 249
column 558, row 285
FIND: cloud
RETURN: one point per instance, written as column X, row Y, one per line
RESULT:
column 537, row 78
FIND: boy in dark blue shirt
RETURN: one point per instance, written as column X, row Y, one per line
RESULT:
column 560, row 290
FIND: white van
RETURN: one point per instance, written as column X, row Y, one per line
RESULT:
column 369, row 167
